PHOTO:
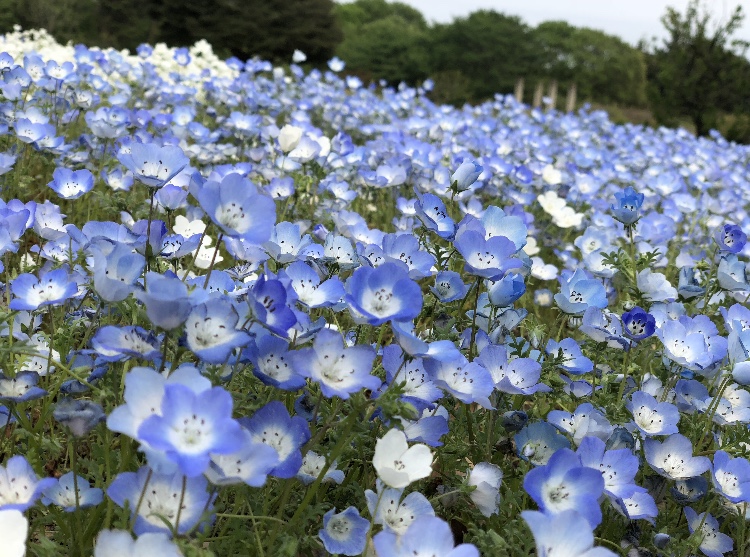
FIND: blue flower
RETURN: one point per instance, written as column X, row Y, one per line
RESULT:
column 269, row 301
column 21, row 387
column 431, row 210
column 713, row 543
column 573, row 359
column 344, row 533
column 273, row 426
column 638, row 324
column 513, row 376
column 70, row 184
column 19, row 486
column 730, row 238
column 385, row 293
column 404, row 248
column 81, row 416
column 236, row 206
column 467, row 381
column 627, row 209
column 584, row 421
column 63, row 493
column 312, row 466
column 394, row 514
column 115, row 344
column 674, row 458
column 427, row 535
column 154, row 165
column 731, row 477
column 538, row 441
column 272, row 362
column 618, row 467
column 565, row 534
column 211, row 333
column 310, row 290
column 51, row 288
column 192, row 426
column 488, row 258
column 565, row 484
column 156, row 509
column 604, row 326
column 504, row 292
column 249, row 464
column 166, row 300
column 652, row 417
column 465, row 175
column 338, row 370
column 448, row 287
column 579, row 292
column 416, row 382
column 121, row 543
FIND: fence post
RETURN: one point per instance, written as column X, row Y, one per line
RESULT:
column 538, row 95
column 570, row 100
column 519, row 90
column 552, row 94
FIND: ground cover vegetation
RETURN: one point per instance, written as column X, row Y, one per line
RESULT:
column 253, row 309
column 698, row 77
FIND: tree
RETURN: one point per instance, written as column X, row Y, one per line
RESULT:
column 384, row 40
column 491, row 49
column 603, row 67
column 699, row 71
column 271, row 29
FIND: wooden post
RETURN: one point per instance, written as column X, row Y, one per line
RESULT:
column 570, row 100
column 552, row 94
column 538, row 95
column 519, row 90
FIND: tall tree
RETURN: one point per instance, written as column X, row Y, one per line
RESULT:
column 271, row 29
column 491, row 49
column 699, row 71
column 603, row 67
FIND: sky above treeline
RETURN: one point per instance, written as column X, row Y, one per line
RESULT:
column 631, row 20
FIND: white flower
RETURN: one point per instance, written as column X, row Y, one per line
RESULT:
column 13, row 531
column 655, row 286
column 119, row 542
column 289, row 137
column 551, row 175
column 397, row 464
column 487, row 479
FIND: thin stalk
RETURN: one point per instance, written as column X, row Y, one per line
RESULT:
column 213, row 260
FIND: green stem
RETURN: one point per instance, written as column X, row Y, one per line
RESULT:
column 341, row 444
column 625, row 374
column 179, row 509
column 79, row 524
column 213, row 259
column 474, row 319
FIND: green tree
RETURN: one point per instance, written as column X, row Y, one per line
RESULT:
column 603, row 67
column 357, row 14
column 384, row 40
column 699, row 71
column 492, row 50
column 271, row 29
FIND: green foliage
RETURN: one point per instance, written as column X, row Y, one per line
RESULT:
column 384, row 41
column 491, row 49
column 602, row 66
column 699, row 71
column 271, row 29
column 389, row 49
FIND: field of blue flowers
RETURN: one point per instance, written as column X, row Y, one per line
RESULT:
column 257, row 310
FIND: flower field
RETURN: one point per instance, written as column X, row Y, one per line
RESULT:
column 258, row 310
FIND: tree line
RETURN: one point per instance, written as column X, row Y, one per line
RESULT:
column 698, row 73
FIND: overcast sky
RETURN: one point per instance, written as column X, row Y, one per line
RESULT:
column 629, row 19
